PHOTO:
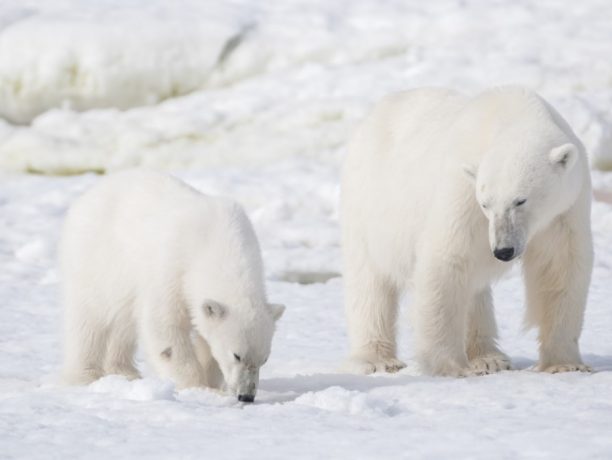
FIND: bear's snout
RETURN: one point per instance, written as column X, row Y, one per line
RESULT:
column 505, row 254
column 247, row 386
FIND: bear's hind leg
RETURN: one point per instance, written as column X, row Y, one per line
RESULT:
column 371, row 311
column 121, row 347
column 484, row 356
column 84, row 349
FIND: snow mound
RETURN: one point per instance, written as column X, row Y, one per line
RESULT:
column 33, row 251
column 89, row 56
column 341, row 400
column 206, row 83
column 136, row 390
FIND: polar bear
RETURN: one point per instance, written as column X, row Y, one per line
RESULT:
column 145, row 256
column 440, row 192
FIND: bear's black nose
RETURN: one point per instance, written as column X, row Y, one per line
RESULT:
column 504, row 254
column 246, row 398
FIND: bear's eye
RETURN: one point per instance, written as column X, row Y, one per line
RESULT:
column 236, row 357
column 484, row 206
column 520, row 202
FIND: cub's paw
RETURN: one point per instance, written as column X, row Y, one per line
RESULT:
column 488, row 364
column 557, row 368
column 128, row 372
column 84, row 377
column 356, row 365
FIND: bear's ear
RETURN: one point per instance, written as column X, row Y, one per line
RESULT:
column 470, row 171
column 213, row 310
column 277, row 310
column 564, row 156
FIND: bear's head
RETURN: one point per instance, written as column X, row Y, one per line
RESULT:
column 522, row 188
column 240, row 341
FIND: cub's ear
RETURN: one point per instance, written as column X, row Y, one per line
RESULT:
column 213, row 310
column 277, row 310
column 564, row 156
column 470, row 171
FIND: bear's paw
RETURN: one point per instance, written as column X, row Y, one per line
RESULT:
column 489, row 364
column 363, row 366
column 558, row 368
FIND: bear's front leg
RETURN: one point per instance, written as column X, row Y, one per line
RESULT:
column 371, row 312
column 557, row 270
column 166, row 336
column 212, row 373
column 483, row 353
column 440, row 299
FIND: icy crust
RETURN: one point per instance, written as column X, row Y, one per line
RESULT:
column 105, row 85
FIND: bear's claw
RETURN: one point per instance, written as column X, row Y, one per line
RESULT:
column 369, row 366
column 489, row 364
column 558, row 368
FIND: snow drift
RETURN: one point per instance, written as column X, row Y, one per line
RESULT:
column 96, row 86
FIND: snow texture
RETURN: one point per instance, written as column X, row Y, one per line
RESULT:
column 255, row 100
column 306, row 408
column 94, row 86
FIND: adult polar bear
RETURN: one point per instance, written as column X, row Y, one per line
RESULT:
column 145, row 255
column 428, row 176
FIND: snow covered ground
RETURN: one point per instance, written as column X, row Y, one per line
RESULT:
column 195, row 83
column 305, row 409
column 255, row 100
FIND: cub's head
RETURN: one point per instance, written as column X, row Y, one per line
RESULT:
column 521, row 192
column 240, row 342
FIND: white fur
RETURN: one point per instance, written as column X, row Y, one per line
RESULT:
column 412, row 218
column 144, row 256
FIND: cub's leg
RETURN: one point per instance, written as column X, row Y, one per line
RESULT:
column 165, row 329
column 84, row 342
column 212, row 373
column 122, row 346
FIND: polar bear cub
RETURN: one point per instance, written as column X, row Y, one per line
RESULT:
column 440, row 192
column 144, row 256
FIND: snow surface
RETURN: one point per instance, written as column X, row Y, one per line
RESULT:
column 195, row 83
column 306, row 408
column 255, row 100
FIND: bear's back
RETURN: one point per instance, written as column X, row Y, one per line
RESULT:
column 405, row 119
column 144, row 215
column 138, row 199
column 137, row 216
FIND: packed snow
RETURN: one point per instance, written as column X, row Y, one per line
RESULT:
column 255, row 100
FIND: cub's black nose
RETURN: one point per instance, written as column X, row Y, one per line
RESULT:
column 504, row 254
column 246, row 398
